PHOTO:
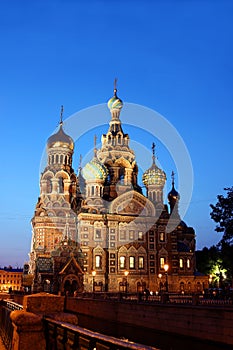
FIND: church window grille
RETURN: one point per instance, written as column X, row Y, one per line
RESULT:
column 122, row 262
column 141, row 262
column 132, row 262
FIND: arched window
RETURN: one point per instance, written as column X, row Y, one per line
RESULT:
column 57, row 158
column 188, row 264
column 122, row 176
column 60, row 185
column 98, row 262
column 162, row 236
column 122, row 262
column 132, row 262
column 181, row 262
column 161, row 262
column 49, row 185
column 141, row 262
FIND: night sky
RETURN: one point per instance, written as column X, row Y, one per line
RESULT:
column 172, row 57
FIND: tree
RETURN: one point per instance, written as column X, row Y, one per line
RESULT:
column 222, row 214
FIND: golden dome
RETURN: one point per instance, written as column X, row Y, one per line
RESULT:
column 60, row 139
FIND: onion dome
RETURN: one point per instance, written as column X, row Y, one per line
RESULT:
column 60, row 139
column 154, row 175
column 94, row 170
column 173, row 195
column 115, row 102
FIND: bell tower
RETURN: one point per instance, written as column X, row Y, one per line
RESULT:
column 116, row 154
column 57, row 204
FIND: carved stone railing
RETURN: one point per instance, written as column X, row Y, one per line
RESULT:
column 6, row 327
column 42, row 324
column 61, row 335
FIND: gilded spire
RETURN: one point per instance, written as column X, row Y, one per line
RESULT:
column 61, row 115
column 115, row 87
column 95, row 149
column 153, row 153
column 80, row 161
column 173, row 178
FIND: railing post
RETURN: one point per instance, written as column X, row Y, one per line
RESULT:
column 28, row 331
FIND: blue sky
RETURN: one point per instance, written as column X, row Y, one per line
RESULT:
column 175, row 57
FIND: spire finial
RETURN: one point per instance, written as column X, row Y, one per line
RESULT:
column 173, row 178
column 61, row 115
column 115, row 86
column 153, row 152
column 80, row 161
column 95, row 149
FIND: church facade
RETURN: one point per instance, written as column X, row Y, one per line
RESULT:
column 97, row 231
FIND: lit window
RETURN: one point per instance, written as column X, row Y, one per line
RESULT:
column 188, row 263
column 122, row 262
column 98, row 262
column 141, row 262
column 162, row 262
column 140, row 236
column 132, row 262
column 162, row 236
column 181, row 263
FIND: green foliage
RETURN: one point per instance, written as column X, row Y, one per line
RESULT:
column 206, row 259
column 222, row 214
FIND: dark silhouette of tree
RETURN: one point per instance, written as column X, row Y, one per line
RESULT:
column 207, row 258
column 222, row 214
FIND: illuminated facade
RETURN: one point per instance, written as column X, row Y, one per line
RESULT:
column 10, row 279
column 124, row 237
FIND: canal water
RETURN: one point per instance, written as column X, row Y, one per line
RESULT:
column 159, row 340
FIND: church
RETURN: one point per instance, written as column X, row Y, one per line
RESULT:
column 97, row 231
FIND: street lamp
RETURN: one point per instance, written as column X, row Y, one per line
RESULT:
column 166, row 267
column 126, row 275
column 160, row 276
column 93, row 279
